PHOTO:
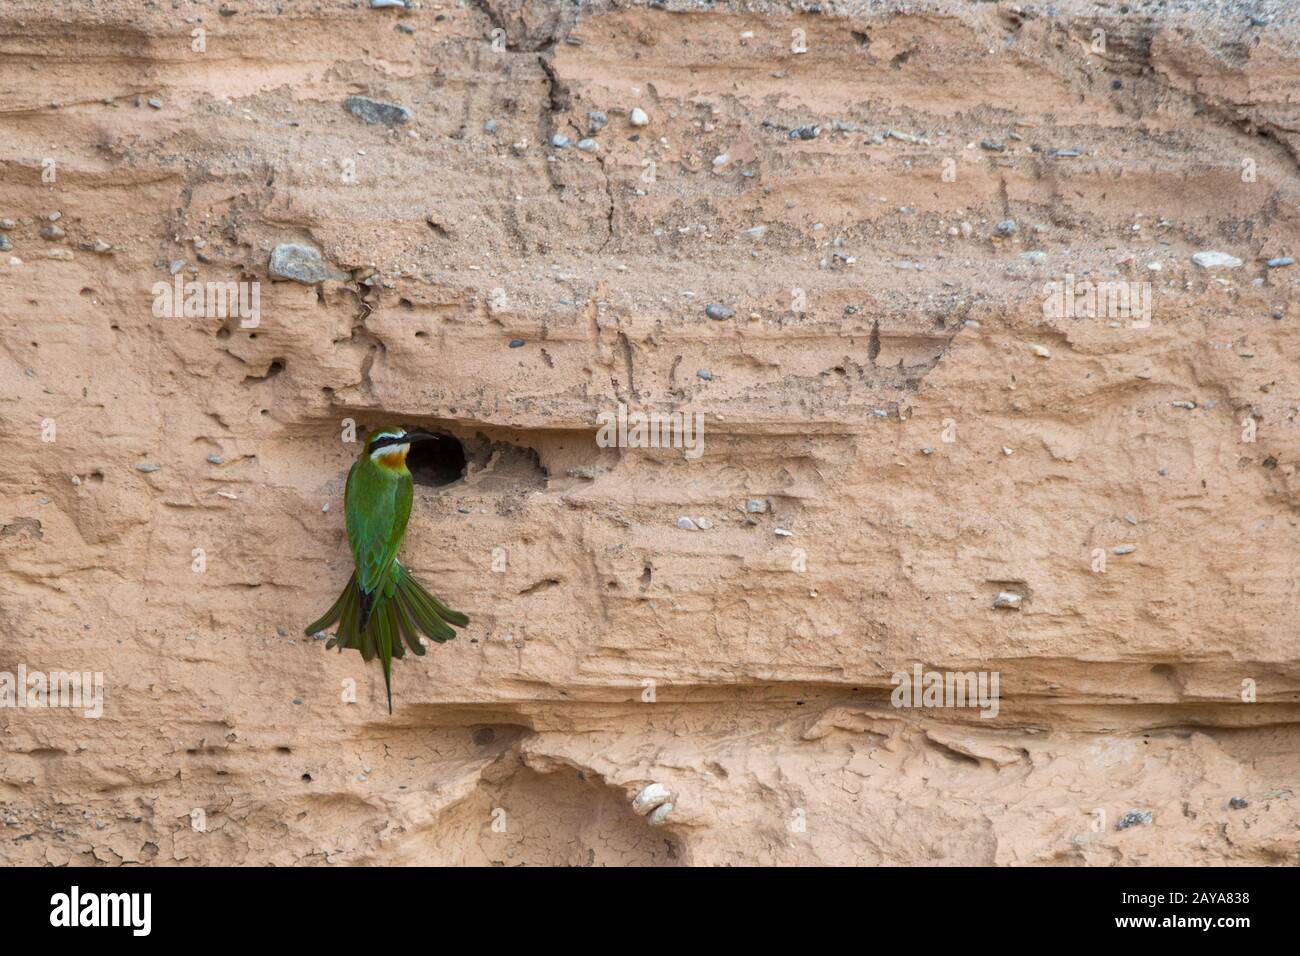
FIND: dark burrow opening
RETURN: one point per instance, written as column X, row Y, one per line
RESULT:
column 436, row 462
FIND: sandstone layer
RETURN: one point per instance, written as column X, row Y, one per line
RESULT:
column 878, row 198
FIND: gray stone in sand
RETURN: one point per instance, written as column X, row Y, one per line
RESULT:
column 302, row 263
column 376, row 111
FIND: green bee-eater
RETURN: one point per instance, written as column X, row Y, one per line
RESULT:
column 382, row 605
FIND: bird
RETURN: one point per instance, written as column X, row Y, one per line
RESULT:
column 382, row 605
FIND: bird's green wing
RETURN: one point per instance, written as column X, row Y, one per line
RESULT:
column 378, row 508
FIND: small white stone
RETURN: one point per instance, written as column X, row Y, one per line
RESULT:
column 1007, row 599
column 1042, row 351
column 659, row 815
column 1215, row 260
column 686, row 524
column 655, row 795
column 638, row 117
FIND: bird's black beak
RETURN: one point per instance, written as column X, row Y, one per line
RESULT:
column 418, row 435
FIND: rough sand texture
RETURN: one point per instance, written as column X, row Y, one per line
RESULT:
column 879, row 314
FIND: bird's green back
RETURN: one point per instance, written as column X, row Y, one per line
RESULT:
column 383, row 610
column 377, row 502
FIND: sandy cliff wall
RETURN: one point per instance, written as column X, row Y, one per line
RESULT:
column 895, row 431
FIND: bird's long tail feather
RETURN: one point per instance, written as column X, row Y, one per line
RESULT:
column 384, row 622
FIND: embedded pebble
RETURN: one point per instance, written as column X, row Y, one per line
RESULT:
column 1279, row 262
column 376, row 111
column 805, row 132
column 755, row 505
column 5, row 244
column 490, row 126
column 302, row 263
column 659, row 814
column 638, row 117
column 654, row 795
column 52, row 233
column 384, row 4
column 1007, row 227
column 1134, row 818
column 1123, row 549
column 1042, row 351
column 156, row 103
column 716, row 310
column 216, row 460
column 705, row 374
column 147, row 467
column 1183, row 404
column 686, row 524
column 596, row 120
column 1238, row 803
column 516, row 343
column 1215, row 260
column 1008, row 599
column 588, row 145
column 560, row 141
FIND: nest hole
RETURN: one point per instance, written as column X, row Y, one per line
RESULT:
column 438, row 462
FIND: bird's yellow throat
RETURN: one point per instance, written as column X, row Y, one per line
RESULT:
column 394, row 457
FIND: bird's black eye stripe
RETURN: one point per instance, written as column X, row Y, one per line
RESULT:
column 387, row 440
